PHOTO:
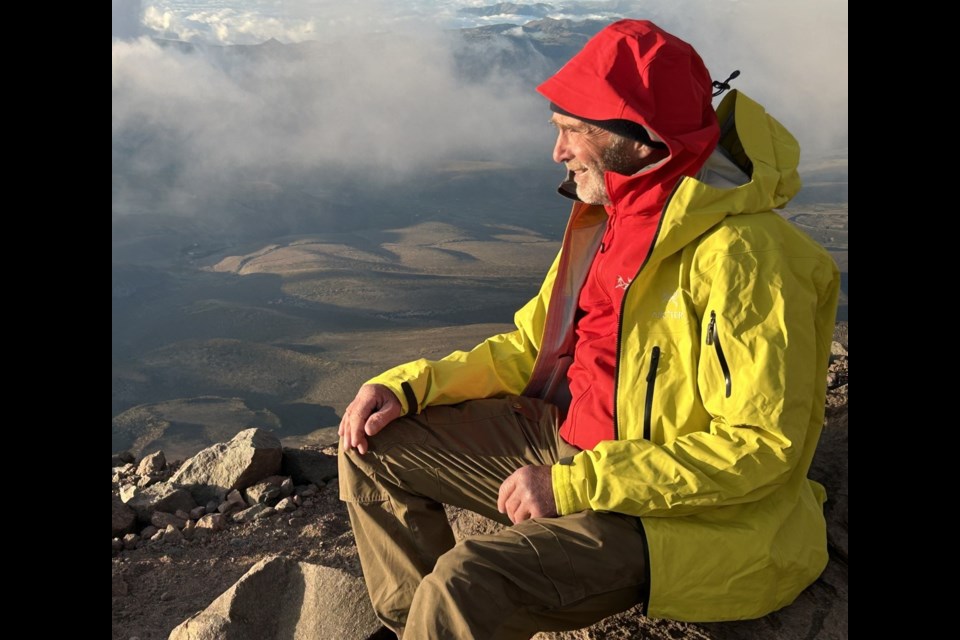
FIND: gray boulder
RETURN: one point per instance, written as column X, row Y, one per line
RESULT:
column 307, row 465
column 160, row 497
column 251, row 455
column 281, row 599
column 123, row 517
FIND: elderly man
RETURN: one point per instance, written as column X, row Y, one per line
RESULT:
column 647, row 428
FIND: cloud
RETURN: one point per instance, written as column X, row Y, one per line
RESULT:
column 373, row 91
column 379, row 108
column 254, row 21
column 126, row 18
column 792, row 57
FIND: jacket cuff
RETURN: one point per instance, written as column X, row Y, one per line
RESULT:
column 563, row 491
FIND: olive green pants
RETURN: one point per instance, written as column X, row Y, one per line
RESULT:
column 542, row 574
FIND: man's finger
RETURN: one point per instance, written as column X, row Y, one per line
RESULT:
column 361, row 444
column 520, row 514
column 375, row 423
column 354, row 418
column 506, row 489
column 516, row 509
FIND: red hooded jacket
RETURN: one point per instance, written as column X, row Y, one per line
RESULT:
column 631, row 70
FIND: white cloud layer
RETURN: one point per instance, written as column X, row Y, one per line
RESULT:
column 391, row 105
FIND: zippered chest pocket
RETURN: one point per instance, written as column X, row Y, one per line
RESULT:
column 713, row 338
column 648, row 397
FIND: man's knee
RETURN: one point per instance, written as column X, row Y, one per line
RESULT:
column 460, row 576
column 356, row 477
column 504, row 562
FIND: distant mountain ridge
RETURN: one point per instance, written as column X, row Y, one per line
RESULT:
column 539, row 9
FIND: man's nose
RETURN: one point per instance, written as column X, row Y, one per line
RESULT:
column 561, row 149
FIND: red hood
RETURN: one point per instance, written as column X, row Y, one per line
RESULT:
column 634, row 70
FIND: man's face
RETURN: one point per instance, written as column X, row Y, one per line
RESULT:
column 590, row 151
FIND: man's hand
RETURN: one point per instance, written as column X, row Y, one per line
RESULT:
column 374, row 408
column 527, row 493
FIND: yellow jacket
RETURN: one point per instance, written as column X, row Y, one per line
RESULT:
column 724, row 342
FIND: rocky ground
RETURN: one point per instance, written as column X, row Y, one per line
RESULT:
column 169, row 570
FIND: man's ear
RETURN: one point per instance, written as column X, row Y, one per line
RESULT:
column 647, row 154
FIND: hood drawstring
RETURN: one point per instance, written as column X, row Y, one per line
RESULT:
column 723, row 86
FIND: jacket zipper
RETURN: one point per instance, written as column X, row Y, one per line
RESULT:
column 714, row 339
column 626, row 292
column 648, row 401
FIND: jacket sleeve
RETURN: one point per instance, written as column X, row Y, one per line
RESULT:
column 499, row 365
column 774, row 318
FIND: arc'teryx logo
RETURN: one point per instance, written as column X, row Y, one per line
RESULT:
column 670, row 299
column 623, row 284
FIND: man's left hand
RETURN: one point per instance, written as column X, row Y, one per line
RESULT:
column 527, row 493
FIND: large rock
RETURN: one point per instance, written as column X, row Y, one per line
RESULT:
column 124, row 518
column 251, row 455
column 307, row 465
column 281, row 599
column 160, row 497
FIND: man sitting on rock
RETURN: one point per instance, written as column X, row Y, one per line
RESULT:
column 647, row 428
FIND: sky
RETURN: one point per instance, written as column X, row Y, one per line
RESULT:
column 195, row 117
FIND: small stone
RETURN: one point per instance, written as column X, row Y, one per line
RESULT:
column 263, row 491
column 172, row 534
column 166, row 596
column 145, row 481
column 130, row 541
column 248, row 515
column 287, row 504
column 153, row 463
column 211, row 522
column 161, row 520
column 128, row 492
column 305, row 491
column 126, row 470
column 266, row 513
column 158, row 536
column 180, row 513
column 188, row 529
column 212, row 506
column 198, row 512
column 117, row 544
column 297, row 500
column 233, row 502
column 286, row 487
column 148, row 531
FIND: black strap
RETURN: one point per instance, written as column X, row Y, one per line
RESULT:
column 412, row 404
column 723, row 86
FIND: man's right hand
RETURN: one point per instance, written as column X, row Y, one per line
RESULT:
column 374, row 408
